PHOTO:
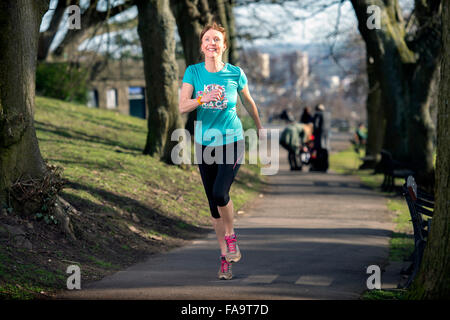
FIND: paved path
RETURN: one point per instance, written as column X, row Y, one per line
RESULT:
column 311, row 236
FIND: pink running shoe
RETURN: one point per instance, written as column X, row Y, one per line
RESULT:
column 225, row 269
column 233, row 254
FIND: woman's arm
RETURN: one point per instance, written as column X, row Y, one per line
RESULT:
column 250, row 106
column 187, row 104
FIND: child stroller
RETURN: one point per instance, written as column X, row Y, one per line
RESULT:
column 319, row 158
column 305, row 154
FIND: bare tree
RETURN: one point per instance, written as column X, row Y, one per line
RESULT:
column 233, row 50
column 403, row 59
column 19, row 152
column 156, row 30
column 21, row 162
column 405, row 65
column 91, row 20
column 433, row 280
column 191, row 16
column 46, row 38
column 376, row 120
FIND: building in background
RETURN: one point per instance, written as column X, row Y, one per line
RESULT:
column 120, row 86
column 276, row 80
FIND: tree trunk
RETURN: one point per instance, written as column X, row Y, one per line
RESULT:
column 406, row 76
column 156, row 31
column 20, row 157
column 191, row 16
column 433, row 280
column 233, row 54
column 375, row 118
column 428, row 46
column 19, row 151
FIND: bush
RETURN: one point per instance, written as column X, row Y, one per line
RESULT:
column 62, row 80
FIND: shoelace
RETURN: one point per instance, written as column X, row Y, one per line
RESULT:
column 231, row 243
column 225, row 265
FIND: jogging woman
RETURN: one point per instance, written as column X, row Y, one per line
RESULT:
column 212, row 87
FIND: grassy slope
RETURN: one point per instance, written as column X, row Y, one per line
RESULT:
column 401, row 243
column 130, row 205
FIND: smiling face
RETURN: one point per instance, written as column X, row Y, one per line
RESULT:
column 213, row 44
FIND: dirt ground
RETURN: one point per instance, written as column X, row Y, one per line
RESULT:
column 35, row 255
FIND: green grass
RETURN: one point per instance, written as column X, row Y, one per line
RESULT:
column 402, row 219
column 402, row 242
column 131, row 204
column 384, row 295
column 348, row 162
column 104, row 264
column 20, row 291
column 25, row 280
column 344, row 162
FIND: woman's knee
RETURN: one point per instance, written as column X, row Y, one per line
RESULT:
column 221, row 197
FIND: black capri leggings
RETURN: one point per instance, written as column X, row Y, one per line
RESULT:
column 218, row 166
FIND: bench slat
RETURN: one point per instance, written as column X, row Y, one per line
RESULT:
column 418, row 203
column 424, row 203
column 423, row 210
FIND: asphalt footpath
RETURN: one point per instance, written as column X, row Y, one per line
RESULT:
column 308, row 236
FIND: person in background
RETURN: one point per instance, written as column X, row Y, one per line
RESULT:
column 306, row 116
column 321, row 128
column 292, row 139
column 286, row 115
column 360, row 136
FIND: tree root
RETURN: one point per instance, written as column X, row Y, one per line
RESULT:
column 62, row 211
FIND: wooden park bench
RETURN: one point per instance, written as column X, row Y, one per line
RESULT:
column 420, row 204
column 392, row 169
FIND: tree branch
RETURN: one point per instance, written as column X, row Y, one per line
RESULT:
column 90, row 18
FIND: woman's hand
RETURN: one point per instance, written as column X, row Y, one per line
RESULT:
column 261, row 132
column 187, row 104
column 213, row 95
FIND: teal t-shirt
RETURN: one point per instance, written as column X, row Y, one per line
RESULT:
column 217, row 121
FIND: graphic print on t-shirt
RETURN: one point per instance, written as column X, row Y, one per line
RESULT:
column 217, row 105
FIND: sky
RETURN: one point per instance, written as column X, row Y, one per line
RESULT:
column 267, row 18
column 316, row 29
column 309, row 30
